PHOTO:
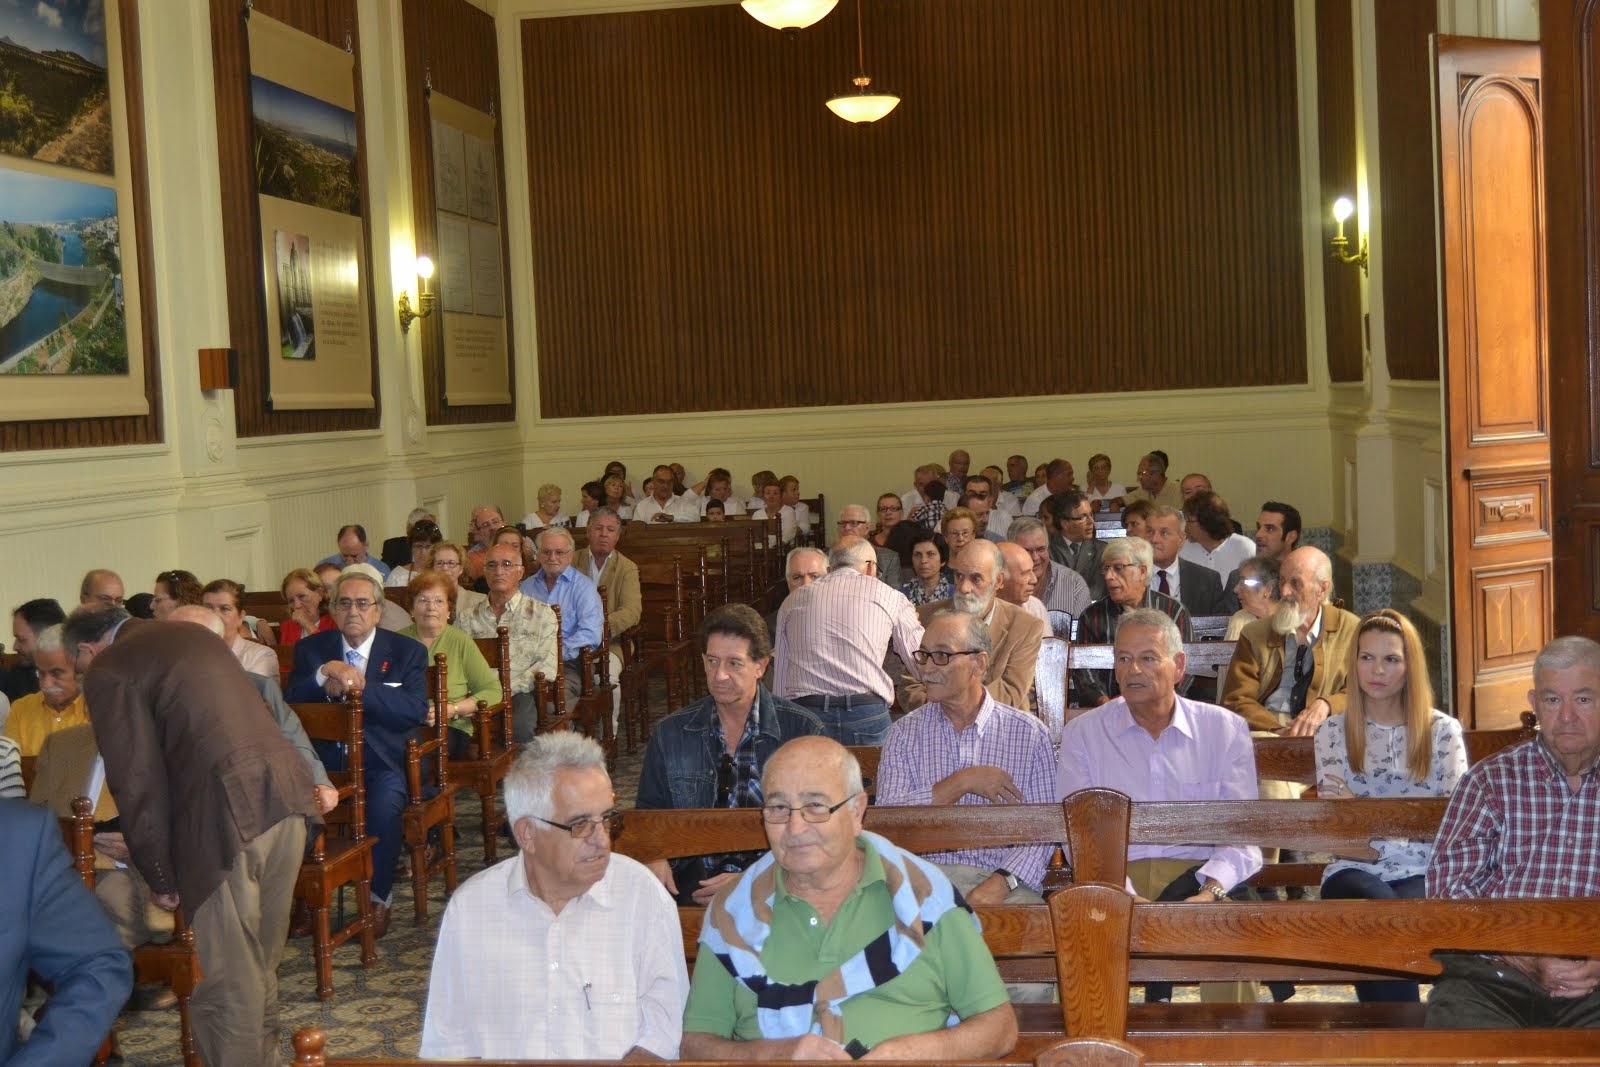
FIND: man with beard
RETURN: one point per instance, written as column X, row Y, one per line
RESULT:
column 1014, row 635
column 1289, row 669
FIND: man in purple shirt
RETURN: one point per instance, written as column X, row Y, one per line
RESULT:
column 1153, row 744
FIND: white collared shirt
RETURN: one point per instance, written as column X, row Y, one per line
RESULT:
column 513, row 980
column 364, row 650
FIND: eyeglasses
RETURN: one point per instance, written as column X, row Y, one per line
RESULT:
column 430, row 602
column 582, row 828
column 499, row 565
column 1119, row 569
column 447, row 564
column 1252, row 583
column 890, row 507
column 852, row 522
column 344, row 603
column 107, row 598
column 815, row 811
column 941, row 658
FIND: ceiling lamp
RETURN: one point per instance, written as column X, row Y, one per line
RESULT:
column 861, row 104
column 788, row 15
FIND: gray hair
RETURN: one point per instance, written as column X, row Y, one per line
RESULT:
column 996, row 554
column 795, row 553
column 1171, row 638
column 1167, row 511
column 1264, row 569
column 1023, row 524
column 849, row 770
column 866, row 516
column 532, row 778
column 50, row 639
column 1131, row 549
column 854, row 553
column 87, row 626
column 417, row 514
column 977, row 629
column 605, row 512
column 1565, row 652
column 559, row 531
column 362, row 572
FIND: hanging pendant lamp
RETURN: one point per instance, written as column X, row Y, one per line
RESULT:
column 788, row 15
column 861, row 103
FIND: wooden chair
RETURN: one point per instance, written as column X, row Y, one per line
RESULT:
column 596, row 708
column 339, row 861
column 664, row 644
column 431, row 797
column 493, row 737
column 1050, row 684
column 1062, row 624
column 1210, row 627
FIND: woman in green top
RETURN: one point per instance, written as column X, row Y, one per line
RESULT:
column 467, row 674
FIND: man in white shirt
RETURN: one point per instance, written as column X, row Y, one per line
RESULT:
column 563, row 951
column 1058, row 478
column 661, row 505
column 1195, row 586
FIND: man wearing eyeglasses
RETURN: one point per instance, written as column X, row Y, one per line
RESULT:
column 1074, row 545
column 388, row 670
column 711, row 753
column 854, row 945
column 532, row 630
column 565, row 951
column 1127, row 564
column 558, row 582
column 853, row 522
column 101, row 589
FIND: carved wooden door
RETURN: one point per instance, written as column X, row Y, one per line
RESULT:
column 1497, row 439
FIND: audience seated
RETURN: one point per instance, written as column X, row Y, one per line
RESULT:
column 396, row 551
column 1018, row 484
column 1056, row 587
column 1001, row 507
column 548, row 512
column 931, row 577
column 1154, row 485
column 853, row 522
column 564, row 951
column 960, row 528
column 1191, row 485
column 11, row 784
column 831, row 640
column 616, row 496
column 353, row 549
column 1198, row 588
column 618, row 577
column 718, row 486
column 979, row 507
column 591, row 495
column 1074, row 545
column 1126, row 563
column 468, row 676
column 419, row 555
column 1212, row 540
column 1014, row 635
column 1020, row 582
column 449, row 559
column 959, row 464
column 920, row 493
column 102, row 588
column 873, row 900
column 308, row 613
column 1257, row 589
column 558, row 582
column 1058, row 478
column 532, row 627
column 770, row 505
column 790, row 498
column 224, row 597
column 487, row 519
column 1289, row 671
column 711, row 753
column 1098, row 485
column 1522, row 824
column 1136, row 519
column 173, row 589
column 1389, row 741
column 932, row 500
column 661, row 505
column 58, row 705
column 27, row 619
column 1277, row 534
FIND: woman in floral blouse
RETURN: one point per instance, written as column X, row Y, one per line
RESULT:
column 933, row 581
column 1389, row 742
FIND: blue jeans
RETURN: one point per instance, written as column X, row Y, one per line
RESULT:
column 1355, row 884
column 856, row 719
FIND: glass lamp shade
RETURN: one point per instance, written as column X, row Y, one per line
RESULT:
column 788, row 14
column 861, row 104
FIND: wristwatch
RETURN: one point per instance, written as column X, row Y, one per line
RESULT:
column 1011, row 879
column 1216, row 890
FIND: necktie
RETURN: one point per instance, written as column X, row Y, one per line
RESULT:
column 1302, row 679
column 353, row 658
column 1166, row 590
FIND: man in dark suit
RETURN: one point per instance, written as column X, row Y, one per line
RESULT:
column 54, row 928
column 1198, row 588
column 389, row 671
column 1073, row 544
column 213, row 803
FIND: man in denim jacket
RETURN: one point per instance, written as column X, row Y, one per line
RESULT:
column 711, row 753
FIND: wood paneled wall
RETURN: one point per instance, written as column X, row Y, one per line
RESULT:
column 333, row 21
column 453, row 43
column 1336, row 150
column 1086, row 196
column 121, row 429
column 1406, row 162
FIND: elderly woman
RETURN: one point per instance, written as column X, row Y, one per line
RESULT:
column 960, row 528
column 224, row 596
column 549, row 512
column 424, row 535
column 933, row 581
column 173, row 588
column 468, row 676
column 303, row 592
column 1257, row 590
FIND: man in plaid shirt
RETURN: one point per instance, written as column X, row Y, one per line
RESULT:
column 1526, row 823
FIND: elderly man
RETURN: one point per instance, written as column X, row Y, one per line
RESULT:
column 1020, row 583
column 532, row 633
column 558, row 582
column 213, row 803
column 57, row 706
column 1153, row 744
column 1057, row 588
column 1014, row 635
column 662, row 505
column 353, row 549
column 853, row 521
column 100, row 588
column 1522, row 824
column 388, row 671
column 1126, row 564
column 1196, row 587
column 27, row 620
column 1074, row 545
column 563, row 951
column 960, row 462
column 1289, row 669
column 964, row 747
column 798, row 955
column 1154, row 485
column 1058, row 478
column 711, row 753
column 617, row 577
column 831, row 640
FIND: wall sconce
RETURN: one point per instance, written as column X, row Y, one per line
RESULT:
column 1342, row 209
column 425, row 299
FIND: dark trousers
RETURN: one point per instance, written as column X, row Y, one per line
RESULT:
column 386, row 803
column 1183, row 887
column 1354, row 884
column 1475, row 992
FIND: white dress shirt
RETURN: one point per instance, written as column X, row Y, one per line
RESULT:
column 786, row 525
column 512, row 980
column 1035, row 499
column 677, row 507
column 1225, row 558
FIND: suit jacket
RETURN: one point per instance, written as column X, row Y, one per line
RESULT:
column 396, row 552
column 197, row 771
column 620, row 583
column 1014, row 636
column 394, row 701
column 888, row 566
column 1257, row 667
column 289, row 723
column 1199, row 589
column 1086, row 561
column 56, row 928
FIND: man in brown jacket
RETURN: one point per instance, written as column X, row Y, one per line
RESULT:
column 618, row 578
column 214, row 802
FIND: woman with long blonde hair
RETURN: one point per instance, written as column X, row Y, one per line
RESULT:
column 1390, row 741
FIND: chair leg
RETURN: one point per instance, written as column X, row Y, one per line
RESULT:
column 191, row 1055
column 322, row 949
column 491, row 824
column 419, row 878
column 369, row 941
column 447, row 835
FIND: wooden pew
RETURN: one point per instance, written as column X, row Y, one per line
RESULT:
column 493, row 742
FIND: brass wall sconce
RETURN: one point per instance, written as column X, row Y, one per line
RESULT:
column 1342, row 209
column 425, row 299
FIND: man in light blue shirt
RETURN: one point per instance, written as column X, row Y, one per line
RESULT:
column 559, row 583
column 353, row 550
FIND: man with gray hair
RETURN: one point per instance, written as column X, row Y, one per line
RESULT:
column 564, row 951
column 1058, row 587
column 1522, row 823
column 1126, row 564
column 853, row 521
column 831, row 639
column 980, row 569
column 559, row 583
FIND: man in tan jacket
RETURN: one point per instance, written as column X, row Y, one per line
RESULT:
column 618, row 578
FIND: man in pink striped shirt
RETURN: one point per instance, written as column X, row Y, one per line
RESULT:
column 831, row 639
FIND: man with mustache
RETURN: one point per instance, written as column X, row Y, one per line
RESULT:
column 1289, row 669
column 57, row 706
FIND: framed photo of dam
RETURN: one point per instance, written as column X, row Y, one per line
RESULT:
column 71, row 324
column 306, row 131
